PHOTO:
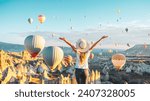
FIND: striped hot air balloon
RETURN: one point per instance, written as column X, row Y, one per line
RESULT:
column 41, row 18
column 53, row 56
column 118, row 61
column 34, row 44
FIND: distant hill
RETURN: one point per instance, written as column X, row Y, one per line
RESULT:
column 67, row 50
column 17, row 48
column 139, row 50
column 11, row 47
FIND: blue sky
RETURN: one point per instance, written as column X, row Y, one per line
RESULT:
column 86, row 17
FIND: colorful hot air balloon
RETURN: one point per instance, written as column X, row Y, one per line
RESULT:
column 53, row 56
column 30, row 20
column 91, row 56
column 34, row 44
column 118, row 61
column 41, row 18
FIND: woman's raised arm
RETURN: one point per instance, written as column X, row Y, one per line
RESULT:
column 69, row 43
column 103, row 37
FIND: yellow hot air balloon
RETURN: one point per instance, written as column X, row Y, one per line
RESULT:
column 41, row 18
column 34, row 44
column 53, row 56
column 118, row 61
column 68, row 58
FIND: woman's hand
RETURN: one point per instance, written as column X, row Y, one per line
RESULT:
column 103, row 37
column 62, row 38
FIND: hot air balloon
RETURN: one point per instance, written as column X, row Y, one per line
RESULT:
column 110, row 51
column 34, row 44
column 92, row 42
column 100, row 25
column 30, row 20
column 37, row 27
column 126, row 29
column 41, row 18
column 145, row 45
column 128, row 44
column 68, row 58
column 40, row 70
column 91, row 56
column 117, row 20
column 118, row 61
column 53, row 55
column 70, row 20
column 52, row 35
column 118, row 11
column 55, row 35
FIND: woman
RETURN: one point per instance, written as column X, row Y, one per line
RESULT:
column 82, row 51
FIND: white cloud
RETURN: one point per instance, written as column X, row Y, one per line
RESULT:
column 137, row 34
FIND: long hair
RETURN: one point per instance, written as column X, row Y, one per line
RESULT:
column 82, row 58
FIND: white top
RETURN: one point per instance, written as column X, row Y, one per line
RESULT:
column 85, row 64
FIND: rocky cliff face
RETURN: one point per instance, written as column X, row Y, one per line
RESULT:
column 139, row 50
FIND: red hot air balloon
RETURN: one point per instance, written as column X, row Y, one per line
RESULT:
column 41, row 18
column 91, row 56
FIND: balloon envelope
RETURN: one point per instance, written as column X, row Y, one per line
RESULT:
column 53, row 56
column 40, row 70
column 128, row 44
column 126, row 29
column 118, row 61
column 30, row 20
column 118, row 11
column 68, row 58
column 110, row 51
column 41, row 18
column 145, row 45
column 91, row 56
column 34, row 44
